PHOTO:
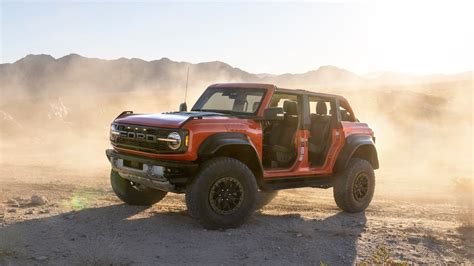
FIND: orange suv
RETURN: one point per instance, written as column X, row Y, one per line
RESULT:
column 240, row 138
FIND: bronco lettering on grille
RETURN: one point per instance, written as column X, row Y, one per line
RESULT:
column 142, row 138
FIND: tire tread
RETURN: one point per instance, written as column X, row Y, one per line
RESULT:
column 195, row 190
column 343, row 186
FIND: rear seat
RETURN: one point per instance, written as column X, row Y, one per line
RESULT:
column 320, row 134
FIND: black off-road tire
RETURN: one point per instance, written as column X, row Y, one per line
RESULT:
column 134, row 195
column 347, row 193
column 200, row 193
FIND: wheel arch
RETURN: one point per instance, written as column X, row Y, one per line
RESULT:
column 357, row 146
column 233, row 145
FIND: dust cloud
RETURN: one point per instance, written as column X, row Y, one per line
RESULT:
column 55, row 116
column 423, row 130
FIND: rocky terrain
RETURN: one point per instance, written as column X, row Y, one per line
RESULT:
column 56, row 205
column 82, row 222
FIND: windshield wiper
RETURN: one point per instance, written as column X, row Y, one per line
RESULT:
column 227, row 112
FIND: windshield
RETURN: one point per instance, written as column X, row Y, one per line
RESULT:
column 228, row 100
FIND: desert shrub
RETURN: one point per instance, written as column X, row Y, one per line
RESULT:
column 382, row 256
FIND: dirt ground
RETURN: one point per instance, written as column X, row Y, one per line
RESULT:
column 84, row 223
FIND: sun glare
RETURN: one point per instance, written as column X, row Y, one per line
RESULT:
column 421, row 37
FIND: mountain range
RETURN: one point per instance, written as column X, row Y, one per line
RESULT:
column 66, row 104
column 43, row 75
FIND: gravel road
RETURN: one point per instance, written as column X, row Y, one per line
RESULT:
column 82, row 222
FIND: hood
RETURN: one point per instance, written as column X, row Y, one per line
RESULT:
column 167, row 120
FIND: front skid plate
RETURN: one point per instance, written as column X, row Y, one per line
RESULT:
column 150, row 175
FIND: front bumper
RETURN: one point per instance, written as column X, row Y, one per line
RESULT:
column 169, row 176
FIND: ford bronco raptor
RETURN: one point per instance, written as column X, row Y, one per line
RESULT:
column 238, row 139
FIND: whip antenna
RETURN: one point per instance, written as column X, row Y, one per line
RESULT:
column 184, row 107
column 186, row 90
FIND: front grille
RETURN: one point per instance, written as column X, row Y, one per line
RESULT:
column 142, row 138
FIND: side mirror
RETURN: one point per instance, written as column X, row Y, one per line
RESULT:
column 183, row 107
column 273, row 113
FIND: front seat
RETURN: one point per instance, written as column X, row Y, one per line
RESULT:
column 281, row 136
column 320, row 134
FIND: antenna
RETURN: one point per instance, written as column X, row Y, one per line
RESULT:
column 184, row 107
column 186, row 90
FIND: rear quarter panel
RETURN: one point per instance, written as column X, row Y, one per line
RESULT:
column 352, row 128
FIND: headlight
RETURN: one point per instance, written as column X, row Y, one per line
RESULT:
column 176, row 143
column 114, row 132
column 113, row 128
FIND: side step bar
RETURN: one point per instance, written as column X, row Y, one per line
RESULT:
column 298, row 182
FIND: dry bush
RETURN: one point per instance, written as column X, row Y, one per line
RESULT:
column 382, row 256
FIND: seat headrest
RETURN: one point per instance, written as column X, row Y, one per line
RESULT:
column 321, row 108
column 255, row 106
column 290, row 107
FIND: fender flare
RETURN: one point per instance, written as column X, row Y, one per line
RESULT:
column 215, row 142
column 353, row 143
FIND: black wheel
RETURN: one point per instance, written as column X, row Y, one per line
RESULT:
column 354, row 189
column 264, row 197
column 223, row 194
column 134, row 194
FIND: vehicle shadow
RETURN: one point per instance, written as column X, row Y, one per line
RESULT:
column 121, row 234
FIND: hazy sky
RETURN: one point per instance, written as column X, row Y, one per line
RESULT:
column 364, row 36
